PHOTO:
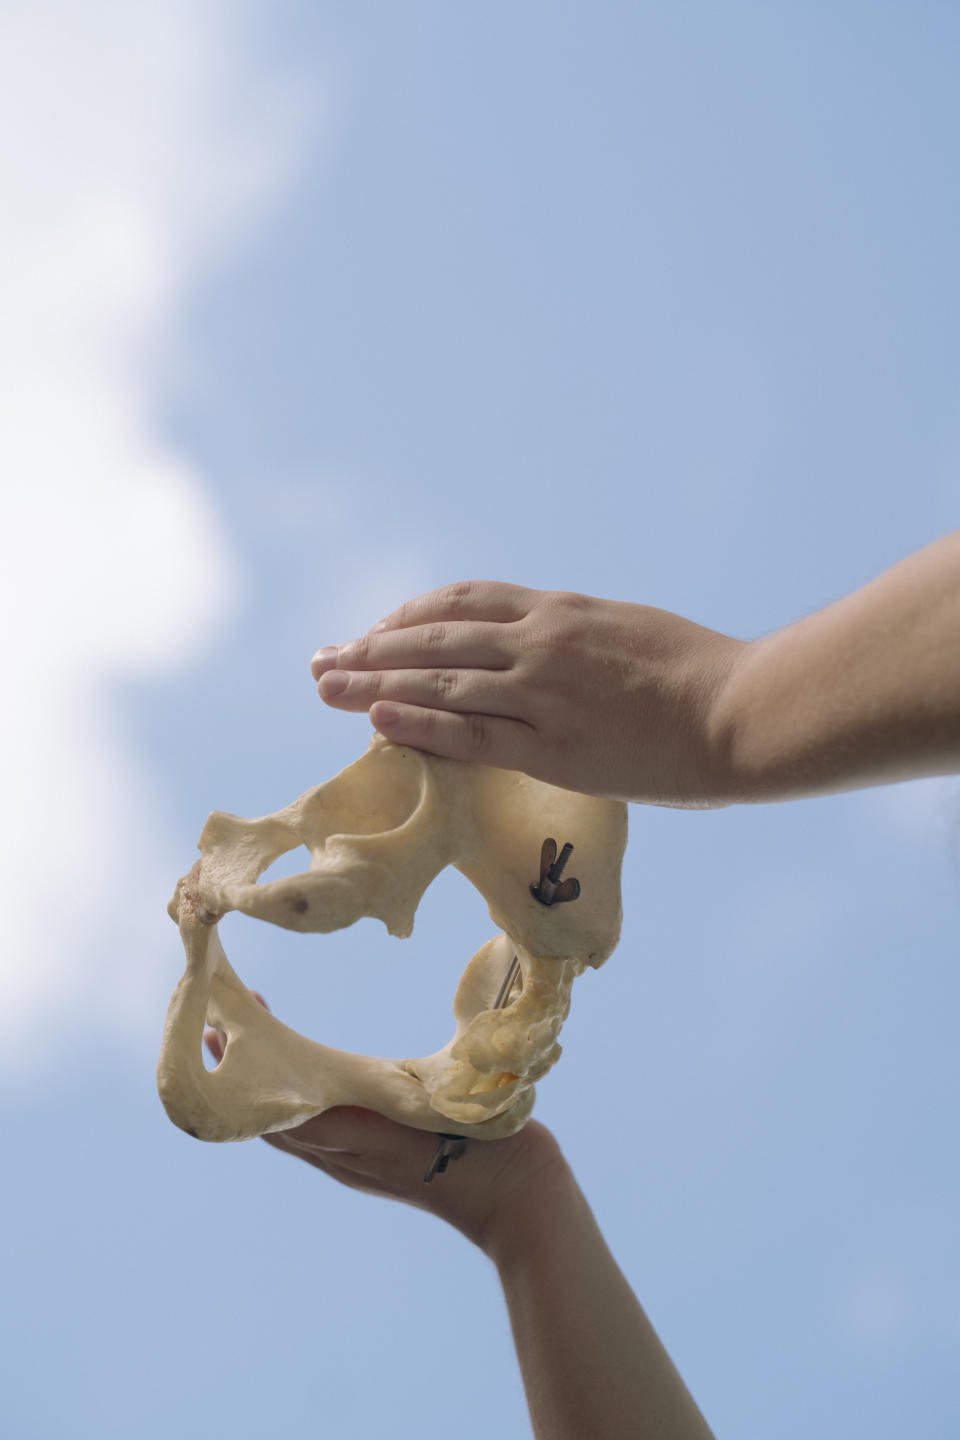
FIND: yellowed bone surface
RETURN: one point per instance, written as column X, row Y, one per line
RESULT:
column 378, row 833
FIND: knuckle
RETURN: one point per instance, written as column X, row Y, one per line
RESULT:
column 561, row 623
column 434, row 635
column 356, row 653
column 565, row 602
column 445, row 684
column 457, row 595
column 428, row 724
column 478, row 735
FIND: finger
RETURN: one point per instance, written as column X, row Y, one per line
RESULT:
column 344, row 1129
column 351, row 1134
column 280, row 1141
column 488, row 738
column 326, row 1162
column 384, row 1157
column 464, row 643
column 466, row 600
column 485, row 692
column 359, row 1148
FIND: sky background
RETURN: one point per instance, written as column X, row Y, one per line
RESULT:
column 305, row 310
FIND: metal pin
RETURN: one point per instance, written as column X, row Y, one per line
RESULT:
column 451, row 1147
column 549, row 890
column 504, row 992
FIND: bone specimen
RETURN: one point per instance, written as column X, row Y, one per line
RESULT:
column 378, row 834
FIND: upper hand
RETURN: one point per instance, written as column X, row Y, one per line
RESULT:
column 593, row 695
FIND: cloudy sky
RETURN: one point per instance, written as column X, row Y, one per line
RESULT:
column 304, row 313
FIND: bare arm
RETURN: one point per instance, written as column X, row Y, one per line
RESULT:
column 864, row 692
column 592, row 1364
column 634, row 702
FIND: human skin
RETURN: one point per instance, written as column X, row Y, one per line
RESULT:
column 635, row 703
column 592, row 1363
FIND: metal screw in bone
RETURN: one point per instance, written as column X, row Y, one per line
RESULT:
column 550, row 889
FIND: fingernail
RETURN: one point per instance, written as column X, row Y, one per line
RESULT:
column 387, row 715
column 334, row 682
column 380, row 625
column 324, row 659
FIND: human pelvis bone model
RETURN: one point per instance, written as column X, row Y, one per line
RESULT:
column 378, row 834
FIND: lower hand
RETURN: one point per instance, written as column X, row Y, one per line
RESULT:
column 368, row 1152
column 593, row 695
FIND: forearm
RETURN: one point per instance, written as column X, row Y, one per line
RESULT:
column 592, row 1364
column 864, row 692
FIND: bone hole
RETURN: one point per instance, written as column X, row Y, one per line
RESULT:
column 206, row 1058
column 291, row 862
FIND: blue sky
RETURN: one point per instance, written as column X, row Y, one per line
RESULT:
column 307, row 311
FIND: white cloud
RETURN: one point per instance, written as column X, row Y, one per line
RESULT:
column 142, row 141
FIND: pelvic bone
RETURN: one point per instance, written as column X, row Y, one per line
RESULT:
column 378, row 833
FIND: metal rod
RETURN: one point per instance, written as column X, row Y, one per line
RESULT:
column 504, row 992
column 552, row 865
column 451, row 1147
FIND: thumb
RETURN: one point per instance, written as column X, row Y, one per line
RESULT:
column 352, row 1130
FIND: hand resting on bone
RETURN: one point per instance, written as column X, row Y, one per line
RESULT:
column 592, row 1364
column 633, row 703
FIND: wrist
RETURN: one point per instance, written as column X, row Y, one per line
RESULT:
column 745, row 722
column 787, row 721
column 527, row 1213
column 727, row 718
